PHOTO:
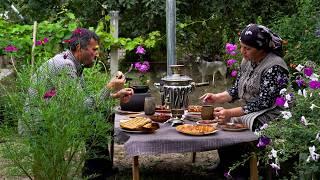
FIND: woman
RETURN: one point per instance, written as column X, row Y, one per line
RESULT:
column 263, row 73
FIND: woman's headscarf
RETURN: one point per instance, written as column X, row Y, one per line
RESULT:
column 260, row 37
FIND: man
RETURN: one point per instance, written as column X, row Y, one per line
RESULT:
column 83, row 46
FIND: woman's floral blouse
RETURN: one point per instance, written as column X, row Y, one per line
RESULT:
column 272, row 81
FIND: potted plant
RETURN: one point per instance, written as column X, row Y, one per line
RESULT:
column 140, row 84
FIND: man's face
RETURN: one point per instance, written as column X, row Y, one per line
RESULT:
column 88, row 55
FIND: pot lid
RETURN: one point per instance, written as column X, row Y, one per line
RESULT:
column 177, row 78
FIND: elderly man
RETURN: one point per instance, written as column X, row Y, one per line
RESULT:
column 83, row 50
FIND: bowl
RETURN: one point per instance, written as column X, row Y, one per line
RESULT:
column 160, row 117
column 177, row 113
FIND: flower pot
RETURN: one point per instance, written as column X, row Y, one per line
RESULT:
column 140, row 88
column 136, row 103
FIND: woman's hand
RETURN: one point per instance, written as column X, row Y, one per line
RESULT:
column 208, row 98
column 222, row 114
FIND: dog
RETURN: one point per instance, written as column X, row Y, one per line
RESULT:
column 208, row 68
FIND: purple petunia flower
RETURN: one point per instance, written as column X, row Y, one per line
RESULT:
column 49, row 94
column 230, row 62
column 234, row 73
column 308, row 71
column 140, row 50
column 314, row 84
column 263, row 142
column 10, row 48
column 299, row 82
column 227, row 175
column 280, row 101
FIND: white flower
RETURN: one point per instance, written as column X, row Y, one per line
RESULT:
column 304, row 92
column 286, row 105
column 314, row 77
column 286, row 114
column 304, row 121
column 299, row 68
column 313, row 155
column 288, row 97
column 283, row 91
column 264, row 126
column 274, row 153
column 318, row 136
column 257, row 132
column 275, row 166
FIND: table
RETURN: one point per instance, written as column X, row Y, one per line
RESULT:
column 168, row 140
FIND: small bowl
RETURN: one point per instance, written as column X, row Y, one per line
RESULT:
column 160, row 117
column 177, row 113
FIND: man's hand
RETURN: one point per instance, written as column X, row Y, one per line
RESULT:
column 124, row 94
column 117, row 82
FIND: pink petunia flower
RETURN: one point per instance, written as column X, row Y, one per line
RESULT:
column 11, row 48
column 314, row 84
column 234, row 73
column 38, row 43
column 140, row 50
column 308, row 71
column 280, row 101
column 230, row 48
column 45, row 40
column 50, row 93
column 230, row 62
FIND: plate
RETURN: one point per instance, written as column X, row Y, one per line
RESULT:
column 233, row 129
column 192, row 117
column 137, row 132
column 163, row 110
column 194, row 113
column 196, row 130
column 119, row 111
column 208, row 122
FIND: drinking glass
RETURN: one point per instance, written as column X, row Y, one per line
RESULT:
column 149, row 105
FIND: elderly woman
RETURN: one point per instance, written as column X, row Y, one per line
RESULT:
column 263, row 73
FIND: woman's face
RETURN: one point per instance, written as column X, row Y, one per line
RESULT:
column 251, row 54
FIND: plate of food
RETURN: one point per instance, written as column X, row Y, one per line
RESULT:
column 234, row 127
column 161, row 118
column 194, row 109
column 196, row 129
column 162, row 109
column 138, row 125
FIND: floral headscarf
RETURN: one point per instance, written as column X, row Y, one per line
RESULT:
column 260, row 37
